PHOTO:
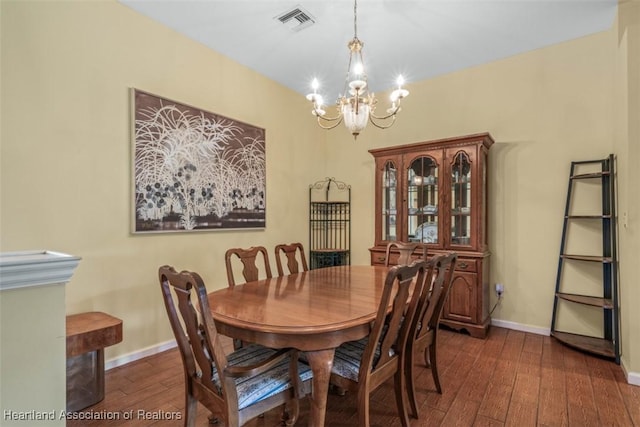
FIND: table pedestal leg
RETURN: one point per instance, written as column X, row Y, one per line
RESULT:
column 321, row 362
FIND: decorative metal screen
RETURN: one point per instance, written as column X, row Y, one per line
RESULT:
column 329, row 223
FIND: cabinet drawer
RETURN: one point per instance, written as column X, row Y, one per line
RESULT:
column 466, row 264
column 380, row 258
column 377, row 258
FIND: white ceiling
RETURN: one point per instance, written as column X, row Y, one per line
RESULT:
column 419, row 39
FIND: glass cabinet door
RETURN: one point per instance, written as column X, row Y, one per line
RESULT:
column 461, row 200
column 422, row 200
column 389, row 200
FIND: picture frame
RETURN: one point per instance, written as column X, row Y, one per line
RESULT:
column 194, row 170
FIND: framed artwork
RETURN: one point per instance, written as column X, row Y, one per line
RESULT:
column 194, row 170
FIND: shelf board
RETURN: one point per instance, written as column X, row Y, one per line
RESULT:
column 591, row 175
column 594, row 345
column 328, row 250
column 586, row 299
column 590, row 258
column 588, row 216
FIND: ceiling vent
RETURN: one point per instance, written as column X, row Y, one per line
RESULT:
column 296, row 19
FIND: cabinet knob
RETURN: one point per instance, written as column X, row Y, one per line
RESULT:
column 462, row 265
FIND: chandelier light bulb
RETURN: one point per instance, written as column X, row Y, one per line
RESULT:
column 358, row 69
column 319, row 112
column 316, row 100
column 400, row 81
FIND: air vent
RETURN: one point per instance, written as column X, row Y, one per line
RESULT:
column 296, row 19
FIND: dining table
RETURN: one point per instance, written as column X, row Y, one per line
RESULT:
column 313, row 311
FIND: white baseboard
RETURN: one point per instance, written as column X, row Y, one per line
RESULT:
column 136, row 355
column 520, row 327
column 633, row 378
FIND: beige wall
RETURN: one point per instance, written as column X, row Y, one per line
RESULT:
column 65, row 171
column 544, row 108
column 66, row 72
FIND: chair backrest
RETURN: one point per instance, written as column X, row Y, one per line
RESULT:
column 249, row 258
column 406, row 252
column 390, row 330
column 293, row 252
column 438, row 284
column 194, row 329
column 240, row 387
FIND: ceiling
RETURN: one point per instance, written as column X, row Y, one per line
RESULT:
column 418, row 39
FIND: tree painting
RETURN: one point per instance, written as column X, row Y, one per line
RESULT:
column 195, row 170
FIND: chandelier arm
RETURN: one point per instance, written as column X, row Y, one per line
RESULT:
column 329, row 120
column 391, row 114
column 372, row 119
column 316, row 113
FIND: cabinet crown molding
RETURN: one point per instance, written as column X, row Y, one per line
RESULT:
column 35, row 268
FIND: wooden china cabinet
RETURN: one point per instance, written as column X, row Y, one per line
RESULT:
column 435, row 192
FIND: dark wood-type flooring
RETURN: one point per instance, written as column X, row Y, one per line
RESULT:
column 509, row 379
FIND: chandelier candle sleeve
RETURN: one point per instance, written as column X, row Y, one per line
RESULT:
column 356, row 107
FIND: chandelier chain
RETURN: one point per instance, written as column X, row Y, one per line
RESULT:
column 355, row 19
column 355, row 37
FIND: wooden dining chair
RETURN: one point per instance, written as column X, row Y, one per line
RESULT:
column 361, row 366
column 249, row 259
column 293, row 252
column 423, row 333
column 406, row 252
column 237, row 387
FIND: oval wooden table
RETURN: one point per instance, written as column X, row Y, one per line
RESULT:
column 314, row 311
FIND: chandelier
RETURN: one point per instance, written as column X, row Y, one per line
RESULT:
column 356, row 106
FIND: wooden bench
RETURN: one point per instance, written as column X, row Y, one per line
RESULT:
column 87, row 336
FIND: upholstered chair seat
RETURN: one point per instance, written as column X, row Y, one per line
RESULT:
column 347, row 359
column 253, row 389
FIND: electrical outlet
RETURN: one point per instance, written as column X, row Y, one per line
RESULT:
column 499, row 289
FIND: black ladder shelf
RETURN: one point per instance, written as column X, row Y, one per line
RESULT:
column 605, row 298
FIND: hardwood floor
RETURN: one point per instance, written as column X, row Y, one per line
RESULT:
column 509, row 379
